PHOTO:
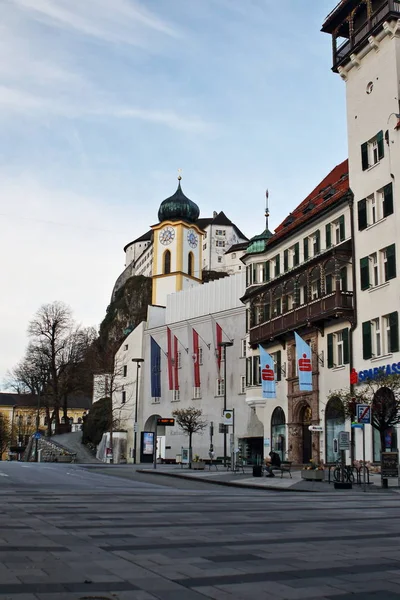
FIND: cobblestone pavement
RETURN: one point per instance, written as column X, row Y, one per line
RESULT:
column 68, row 533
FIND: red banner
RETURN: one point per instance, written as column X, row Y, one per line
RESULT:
column 176, row 364
column 169, row 356
column 196, row 363
column 219, row 349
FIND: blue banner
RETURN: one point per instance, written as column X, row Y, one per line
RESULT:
column 155, row 365
column 267, row 374
column 304, row 364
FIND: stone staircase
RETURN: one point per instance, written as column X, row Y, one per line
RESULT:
column 52, row 451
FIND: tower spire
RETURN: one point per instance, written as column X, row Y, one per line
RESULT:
column 266, row 208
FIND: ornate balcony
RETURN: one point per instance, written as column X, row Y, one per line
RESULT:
column 338, row 304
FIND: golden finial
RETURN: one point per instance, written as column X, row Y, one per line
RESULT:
column 179, row 174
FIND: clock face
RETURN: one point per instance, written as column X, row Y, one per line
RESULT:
column 167, row 235
column 192, row 238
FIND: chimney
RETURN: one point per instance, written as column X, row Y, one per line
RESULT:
column 215, row 214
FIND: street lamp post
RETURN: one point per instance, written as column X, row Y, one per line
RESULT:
column 135, row 425
column 225, row 345
column 37, row 426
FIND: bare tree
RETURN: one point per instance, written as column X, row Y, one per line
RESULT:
column 190, row 421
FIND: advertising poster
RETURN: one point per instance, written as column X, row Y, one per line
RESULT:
column 148, row 442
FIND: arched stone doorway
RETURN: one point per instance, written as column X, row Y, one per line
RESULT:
column 278, row 432
column 150, row 428
column 334, row 422
column 306, row 421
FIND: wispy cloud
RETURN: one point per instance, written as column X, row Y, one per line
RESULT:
column 108, row 20
column 14, row 100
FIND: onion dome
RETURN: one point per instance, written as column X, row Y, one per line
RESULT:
column 178, row 208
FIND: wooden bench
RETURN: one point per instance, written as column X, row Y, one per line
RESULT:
column 286, row 467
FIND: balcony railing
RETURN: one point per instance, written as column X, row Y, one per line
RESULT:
column 315, row 311
column 367, row 29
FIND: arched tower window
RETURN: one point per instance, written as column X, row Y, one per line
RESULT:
column 167, row 262
column 190, row 263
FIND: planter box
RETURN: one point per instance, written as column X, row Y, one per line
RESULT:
column 199, row 466
column 64, row 459
column 313, row 475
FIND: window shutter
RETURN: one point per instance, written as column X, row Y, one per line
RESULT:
column 330, row 350
column 305, row 247
column 296, row 254
column 286, row 260
column 381, row 150
column 364, row 273
column 342, row 232
column 364, row 156
column 394, row 332
column 317, row 242
column 329, row 284
column 362, row 214
column 346, row 352
column 367, row 340
column 343, row 279
column 279, row 365
column 390, row 265
column 277, row 265
column 328, row 235
column 267, row 271
column 388, row 200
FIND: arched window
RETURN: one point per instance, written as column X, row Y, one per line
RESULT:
column 278, row 432
column 167, row 262
column 190, row 263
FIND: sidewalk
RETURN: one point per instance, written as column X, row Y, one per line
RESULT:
column 246, row 480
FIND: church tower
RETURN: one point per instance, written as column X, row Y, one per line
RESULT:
column 366, row 54
column 177, row 245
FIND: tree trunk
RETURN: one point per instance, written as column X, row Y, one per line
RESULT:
column 385, row 483
column 48, row 419
column 190, row 450
column 65, row 409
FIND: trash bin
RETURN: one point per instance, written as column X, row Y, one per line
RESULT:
column 257, row 471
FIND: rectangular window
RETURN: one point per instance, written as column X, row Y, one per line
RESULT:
column 220, row 244
column 296, row 255
column 329, row 283
column 277, row 265
column 317, row 242
column 126, row 347
column 204, row 246
column 200, row 355
column 125, row 370
column 196, row 393
column 176, row 395
column 338, row 348
column 278, row 307
column 373, row 210
column 220, row 259
column 392, row 331
column 220, row 232
column 277, row 358
column 267, row 271
column 315, row 290
column 372, row 151
column 220, row 387
column 179, row 357
column 242, row 384
column 123, row 397
column 376, row 337
column 243, row 348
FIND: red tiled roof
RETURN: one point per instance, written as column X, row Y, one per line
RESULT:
column 336, row 183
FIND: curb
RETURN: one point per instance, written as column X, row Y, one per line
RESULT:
column 226, row 483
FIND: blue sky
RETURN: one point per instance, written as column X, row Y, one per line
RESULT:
column 101, row 102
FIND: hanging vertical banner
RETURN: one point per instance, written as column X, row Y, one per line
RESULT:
column 304, row 365
column 176, row 364
column 155, row 363
column 169, row 357
column 267, row 374
column 196, row 363
column 218, row 350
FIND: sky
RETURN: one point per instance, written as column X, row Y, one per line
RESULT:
column 102, row 102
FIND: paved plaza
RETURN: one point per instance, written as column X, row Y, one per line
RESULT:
column 74, row 533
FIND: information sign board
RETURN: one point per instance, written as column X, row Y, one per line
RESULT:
column 389, row 465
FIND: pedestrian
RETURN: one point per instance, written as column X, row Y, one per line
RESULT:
column 273, row 462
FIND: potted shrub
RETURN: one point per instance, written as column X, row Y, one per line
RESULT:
column 313, row 471
column 197, row 463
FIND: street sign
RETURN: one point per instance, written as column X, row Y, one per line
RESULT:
column 228, row 417
column 37, row 435
column 364, row 414
column 316, row 428
column 167, row 422
column 344, row 440
column 357, row 425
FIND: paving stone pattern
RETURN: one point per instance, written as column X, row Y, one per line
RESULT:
column 126, row 541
